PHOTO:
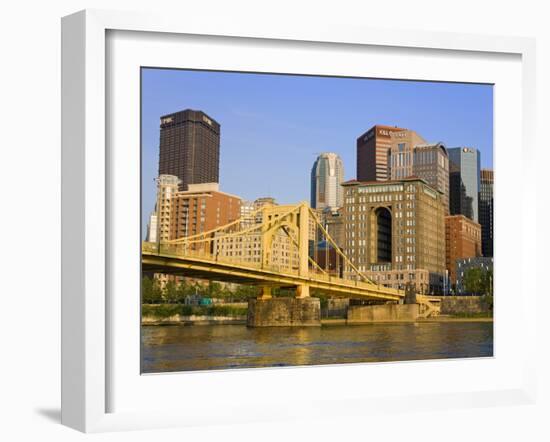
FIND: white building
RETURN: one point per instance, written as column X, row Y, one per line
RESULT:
column 152, row 228
column 167, row 187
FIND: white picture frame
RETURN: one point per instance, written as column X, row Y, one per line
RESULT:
column 87, row 316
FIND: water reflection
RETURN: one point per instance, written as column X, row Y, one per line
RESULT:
column 181, row 348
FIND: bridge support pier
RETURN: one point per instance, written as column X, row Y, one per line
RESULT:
column 266, row 293
column 302, row 291
column 284, row 312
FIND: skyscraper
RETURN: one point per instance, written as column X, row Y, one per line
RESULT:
column 401, row 153
column 486, row 211
column 410, row 155
column 327, row 175
column 464, row 181
column 190, row 147
column 431, row 163
column 372, row 153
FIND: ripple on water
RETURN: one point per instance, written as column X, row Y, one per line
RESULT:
column 217, row 347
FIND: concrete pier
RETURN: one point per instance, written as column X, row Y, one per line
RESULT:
column 284, row 312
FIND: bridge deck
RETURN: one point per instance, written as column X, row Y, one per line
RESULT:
column 208, row 267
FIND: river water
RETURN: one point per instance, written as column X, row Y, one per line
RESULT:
column 211, row 347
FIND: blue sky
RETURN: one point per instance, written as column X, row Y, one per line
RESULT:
column 274, row 126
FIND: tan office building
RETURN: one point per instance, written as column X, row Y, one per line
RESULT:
column 411, row 156
column 431, row 163
column 394, row 232
column 401, row 153
column 462, row 239
column 248, row 249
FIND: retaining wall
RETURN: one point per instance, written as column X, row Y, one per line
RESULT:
column 382, row 313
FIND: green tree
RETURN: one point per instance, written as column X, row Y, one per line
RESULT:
column 151, row 292
column 478, row 282
column 214, row 289
column 243, row 292
column 170, row 292
column 182, row 290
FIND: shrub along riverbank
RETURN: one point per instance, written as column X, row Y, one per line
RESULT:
column 162, row 311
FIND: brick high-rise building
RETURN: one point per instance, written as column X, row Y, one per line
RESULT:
column 201, row 208
column 372, row 153
column 486, row 211
column 190, row 147
column 462, row 240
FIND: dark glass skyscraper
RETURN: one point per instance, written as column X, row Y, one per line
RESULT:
column 464, row 181
column 190, row 147
column 486, row 211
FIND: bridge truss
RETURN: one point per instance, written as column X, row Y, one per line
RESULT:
column 274, row 246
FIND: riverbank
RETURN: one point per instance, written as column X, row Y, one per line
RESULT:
column 241, row 320
column 236, row 314
column 194, row 320
column 419, row 320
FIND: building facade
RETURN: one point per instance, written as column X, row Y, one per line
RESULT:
column 152, row 228
column 411, row 156
column 333, row 222
column 486, row 211
column 202, row 208
column 464, row 171
column 247, row 248
column 401, row 153
column 463, row 265
column 431, row 163
column 372, row 153
column 462, row 240
column 167, row 188
column 190, row 147
column 327, row 175
column 394, row 232
column 264, row 201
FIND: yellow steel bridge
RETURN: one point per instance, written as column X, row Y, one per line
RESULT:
column 269, row 248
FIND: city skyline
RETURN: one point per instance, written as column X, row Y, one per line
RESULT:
column 260, row 126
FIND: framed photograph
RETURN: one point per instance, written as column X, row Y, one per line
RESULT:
column 254, row 214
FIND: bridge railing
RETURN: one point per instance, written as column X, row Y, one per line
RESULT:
column 179, row 251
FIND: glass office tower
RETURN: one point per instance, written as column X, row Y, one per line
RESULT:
column 464, row 169
column 486, row 211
